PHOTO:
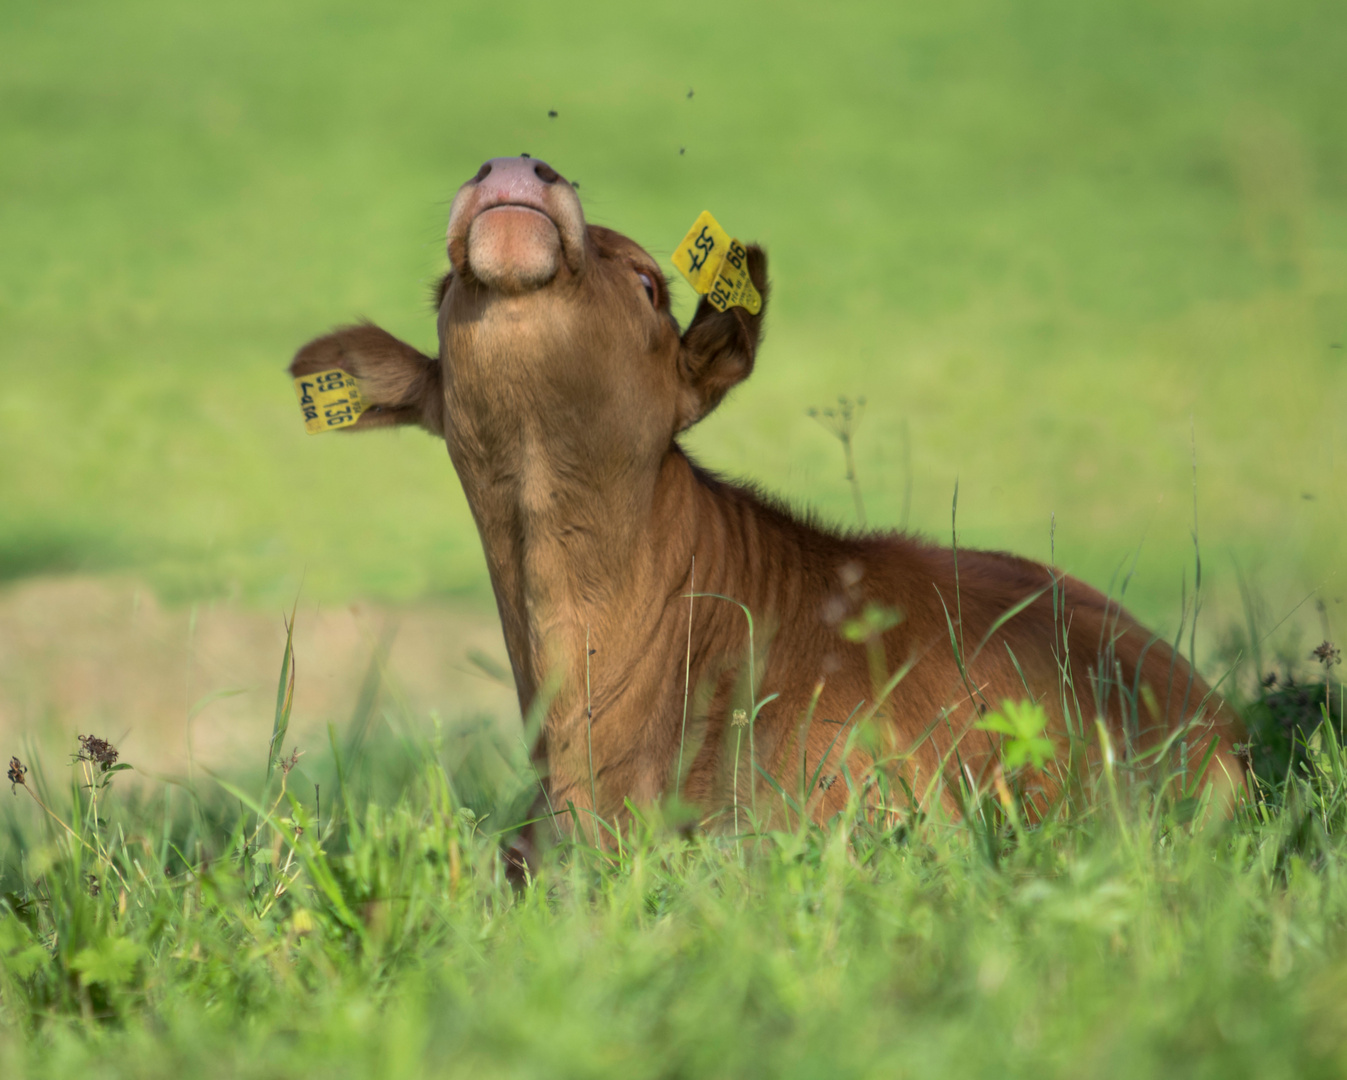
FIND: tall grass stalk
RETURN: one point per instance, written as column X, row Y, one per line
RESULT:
column 687, row 679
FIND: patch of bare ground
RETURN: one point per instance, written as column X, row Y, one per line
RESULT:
column 81, row 655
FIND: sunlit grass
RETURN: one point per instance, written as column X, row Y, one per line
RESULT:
column 351, row 916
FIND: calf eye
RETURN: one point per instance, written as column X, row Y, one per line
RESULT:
column 649, row 284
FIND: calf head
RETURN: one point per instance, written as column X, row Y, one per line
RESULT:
column 555, row 340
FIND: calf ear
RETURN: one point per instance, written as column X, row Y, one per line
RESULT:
column 401, row 384
column 718, row 347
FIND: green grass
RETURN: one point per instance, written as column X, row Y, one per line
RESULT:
column 351, row 916
column 1051, row 242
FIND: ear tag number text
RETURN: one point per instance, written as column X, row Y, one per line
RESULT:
column 329, row 400
column 716, row 265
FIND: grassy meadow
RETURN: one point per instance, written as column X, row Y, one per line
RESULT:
column 1089, row 262
column 349, row 915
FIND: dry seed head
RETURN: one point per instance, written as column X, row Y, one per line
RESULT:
column 16, row 770
column 1327, row 654
column 843, row 419
column 739, row 718
column 99, row 751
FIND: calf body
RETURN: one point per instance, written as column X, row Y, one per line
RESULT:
column 622, row 571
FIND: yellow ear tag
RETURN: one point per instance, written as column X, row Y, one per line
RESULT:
column 717, row 266
column 329, row 400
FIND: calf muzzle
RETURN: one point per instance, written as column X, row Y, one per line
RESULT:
column 514, row 225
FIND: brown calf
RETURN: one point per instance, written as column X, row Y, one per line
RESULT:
column 561, row 385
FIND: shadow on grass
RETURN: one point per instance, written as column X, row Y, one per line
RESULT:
column 32, row 553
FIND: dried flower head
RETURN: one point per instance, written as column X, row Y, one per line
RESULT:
column 1327, row 654
column 739, row 718
column 1269, row 680
column 843, row 420
column 99, row 751
column 94, row 886
column 16, row 770
column 826, row 782
column 289, row 763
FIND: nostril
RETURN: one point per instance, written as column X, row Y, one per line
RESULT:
column 482, row 173
column 546, row 173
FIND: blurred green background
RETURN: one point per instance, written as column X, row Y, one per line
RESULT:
column 1052, row 243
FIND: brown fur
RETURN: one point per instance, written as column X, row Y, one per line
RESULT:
column 560, row 408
